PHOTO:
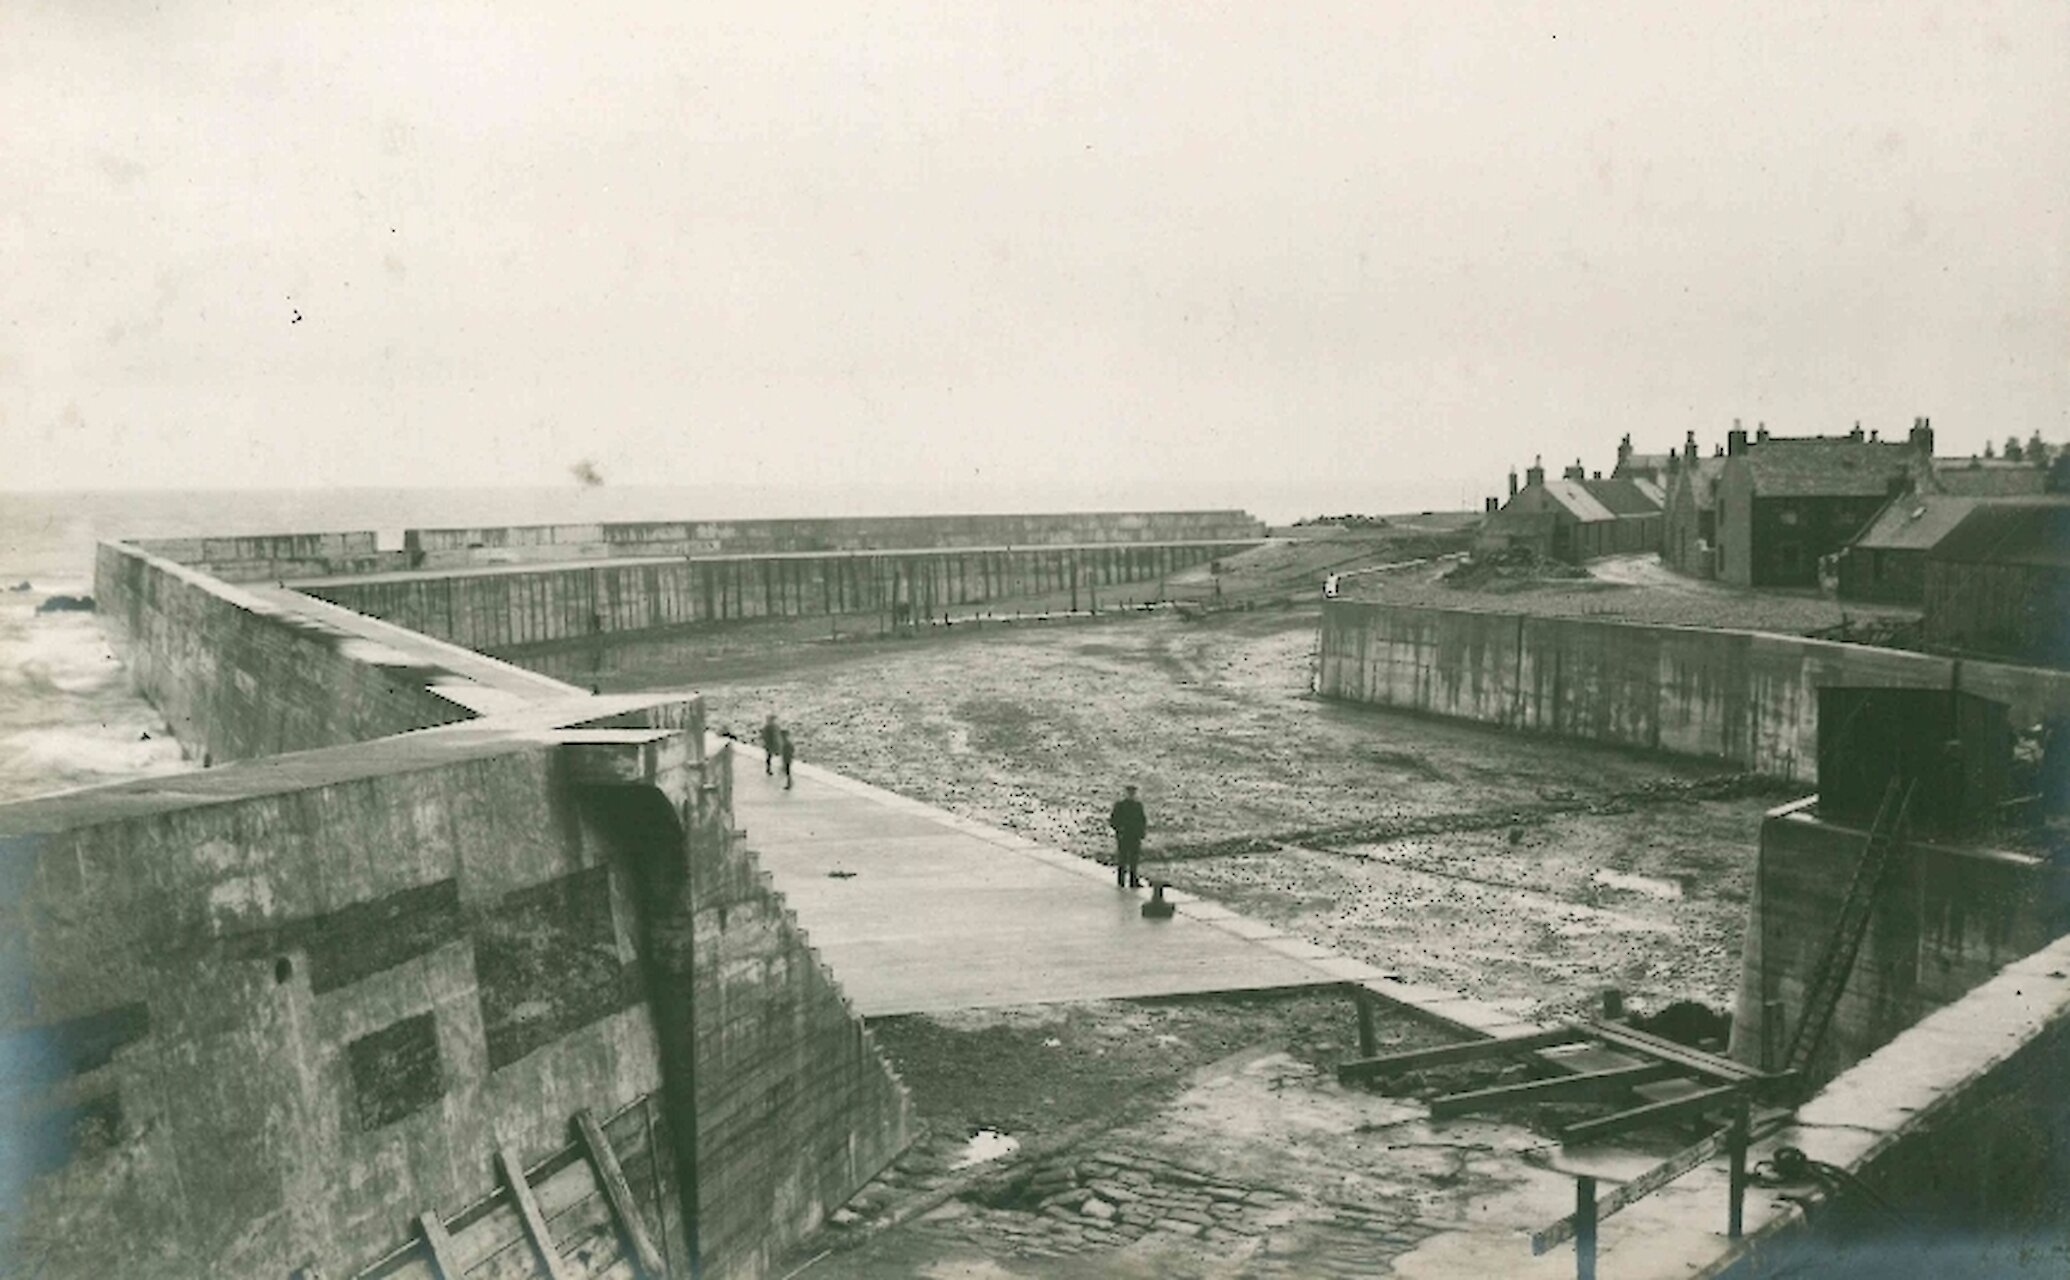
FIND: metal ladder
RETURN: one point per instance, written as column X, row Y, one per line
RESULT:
column 1879, row 857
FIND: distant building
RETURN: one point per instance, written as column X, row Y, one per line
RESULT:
column 1575, row 518
column 1689, row 518
column 1785, row 504
column 1984, row 478
column 1998, row 584
column 1651, row 467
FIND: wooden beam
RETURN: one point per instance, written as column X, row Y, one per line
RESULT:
column 624, row 1209
column 1696, row 1060
column 1445, row 1055
column 443, row 1259
column 1582, row 1085
column 520, row 1189
column 1651, row 1113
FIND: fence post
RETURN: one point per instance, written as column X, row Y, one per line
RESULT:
column 1735, row 1218
column 1368, row 1041
column 1585, row 1228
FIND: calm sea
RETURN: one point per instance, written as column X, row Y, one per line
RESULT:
column 69, row 719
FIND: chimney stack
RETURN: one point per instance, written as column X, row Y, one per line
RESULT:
column 1624, row 449
column 1922, row 437
column 1575, row 472
column 1761, row 433
column 1512, row 482
column 1856, row 434
column 1535, row 474
column 1493, row 505
column 1689, row 447
column 1735, row 440
column 1598, row 475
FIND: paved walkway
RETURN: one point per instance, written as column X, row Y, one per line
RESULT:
column 917, row 910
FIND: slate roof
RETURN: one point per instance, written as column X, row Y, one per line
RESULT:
column 1625, row 497
column 1975, row 477
column 1915, row 522
column 1579, row 502
column 1816, row 468
column 2017, row 533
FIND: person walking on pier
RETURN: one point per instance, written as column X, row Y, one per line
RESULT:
column 772, row 741
column 1129, row 824
column 789, row 753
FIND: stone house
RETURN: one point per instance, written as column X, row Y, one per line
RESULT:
column 1785, row 504
column 1575, row 518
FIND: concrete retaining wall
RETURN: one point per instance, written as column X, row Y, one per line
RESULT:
column 237, row 678
column 1949, row 919
column 259, row 1018
column 504, row 609
column 1744, row 697
column 272, row 557
column 449, row 548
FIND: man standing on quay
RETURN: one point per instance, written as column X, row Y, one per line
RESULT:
column 772, row 741
column 1129, row 825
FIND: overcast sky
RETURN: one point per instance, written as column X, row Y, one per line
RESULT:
column 1067, row 246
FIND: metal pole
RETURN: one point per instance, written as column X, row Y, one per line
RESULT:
column 1735, row 1217
column 1368, row 1042
column 1585, row 1228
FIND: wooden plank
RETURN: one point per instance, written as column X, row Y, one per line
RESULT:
column 623, row 1207
column 1587, row 1084
column 528, row 1210
column 487, row 1235
column 1651, row 1113
column 589, row 1236
column 1444, row 1055
column 1696, row 1060
column 441, row 1246
column 1636, row 1190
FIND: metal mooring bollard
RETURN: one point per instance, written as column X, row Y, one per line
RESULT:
column 1157, row 908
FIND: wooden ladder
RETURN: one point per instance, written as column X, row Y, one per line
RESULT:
column 1871, row 874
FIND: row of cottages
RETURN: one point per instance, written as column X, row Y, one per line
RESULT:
column 1998, row 584
column 1574, row 518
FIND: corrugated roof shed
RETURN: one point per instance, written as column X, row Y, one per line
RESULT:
column 1825, row 468
column 2010, row 533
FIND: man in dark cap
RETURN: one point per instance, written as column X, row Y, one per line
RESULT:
column 1129, row 824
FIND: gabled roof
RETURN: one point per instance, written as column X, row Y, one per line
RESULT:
column 2017, row 533
column 1625, row 497
column 1976, row 477
column 1579, row 502
column 1915, row 522
column 1819, row 468
column 1653, row 462
column 1702, row 478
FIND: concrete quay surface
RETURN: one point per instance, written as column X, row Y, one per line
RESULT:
column 919, row 911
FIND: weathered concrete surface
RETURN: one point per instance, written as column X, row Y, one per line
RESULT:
column 1948, row 920
column 1744, row 697
column 487, row 606
column 257, row 1017
column 437, row 548
column 917, row 910
column 243, row 672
